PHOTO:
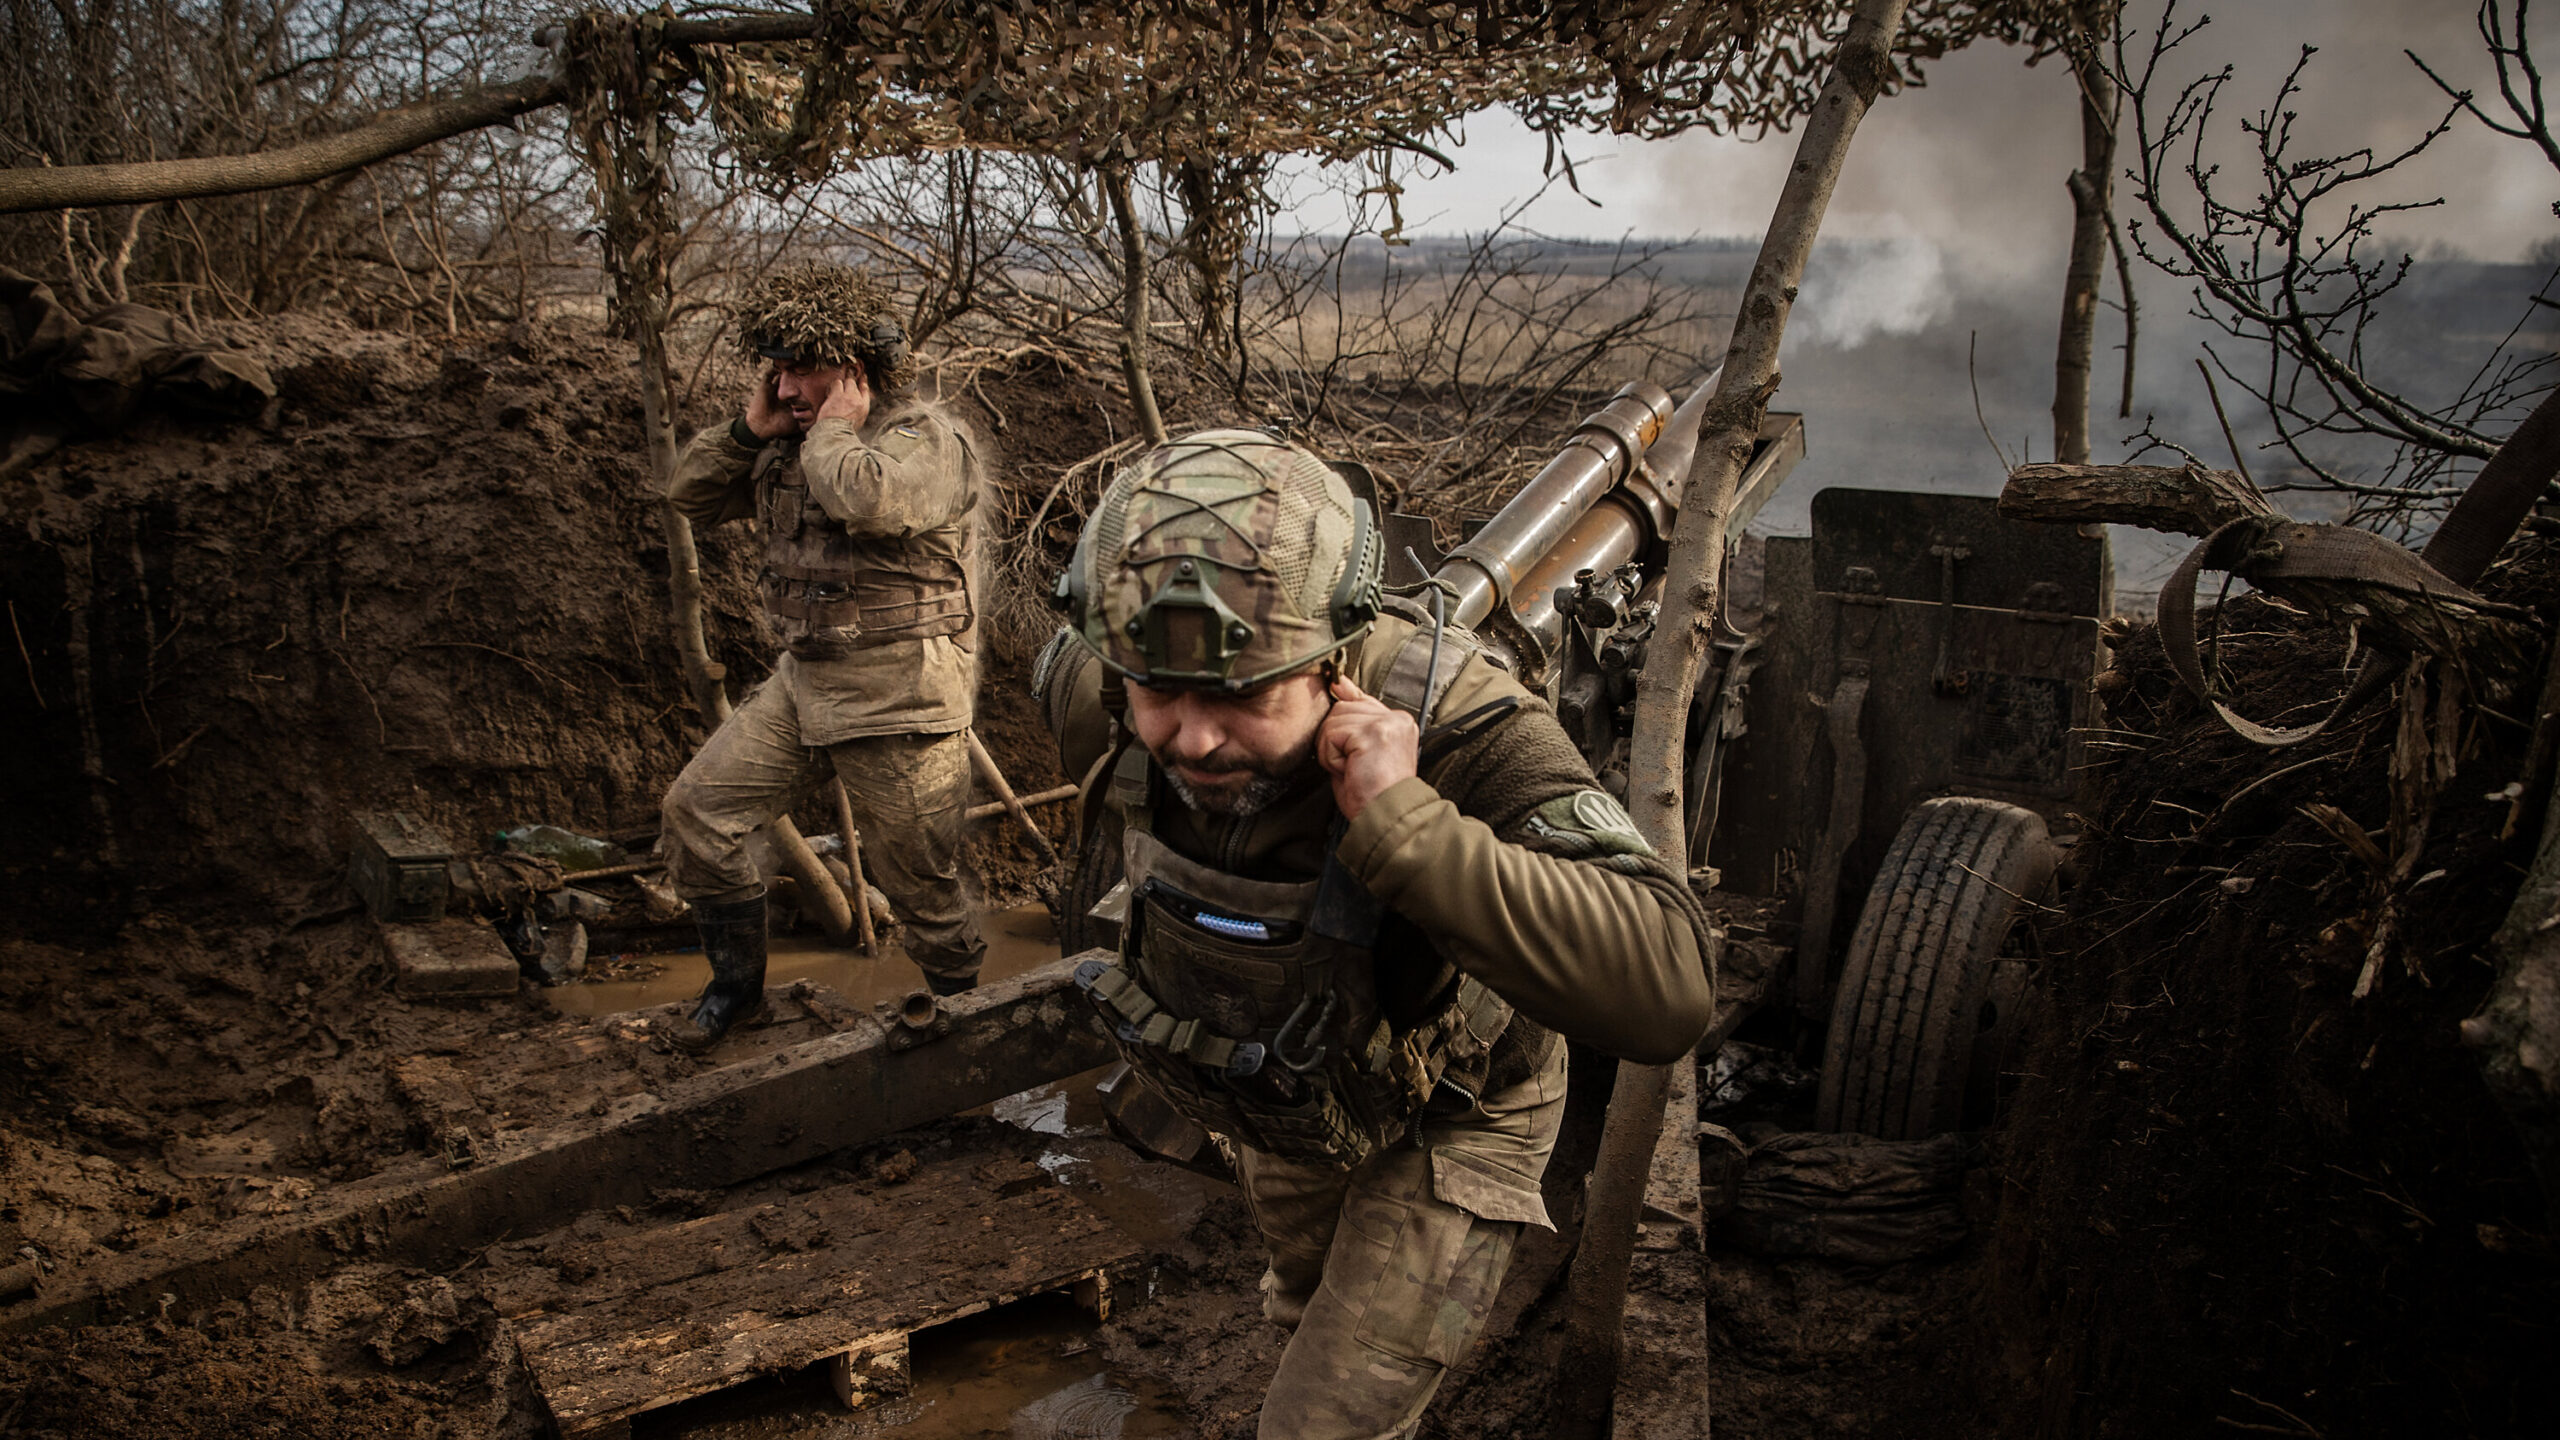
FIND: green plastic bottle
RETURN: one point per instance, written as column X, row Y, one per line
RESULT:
column 574, row 851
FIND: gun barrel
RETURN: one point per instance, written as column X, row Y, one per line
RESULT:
column 1492, row 567
column 1592, row 508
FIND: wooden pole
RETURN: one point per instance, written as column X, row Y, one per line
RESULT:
column 993, row 808
column 994, row 777
column 1596, row 1294
column 853, row 868
column 1133, row 319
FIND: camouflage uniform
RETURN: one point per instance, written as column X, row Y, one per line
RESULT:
column 1499, row 866
column 856, row 692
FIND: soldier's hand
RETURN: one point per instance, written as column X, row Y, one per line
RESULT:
column 1366, row 746
column 767, row 416
column 850, row 400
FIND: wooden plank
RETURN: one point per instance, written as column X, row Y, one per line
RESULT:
column 874, row 1078
column 1671, row 1187
column 1662, row 1377
column 1663, row 1373
column 850, row 1272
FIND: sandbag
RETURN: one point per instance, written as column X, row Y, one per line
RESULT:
column 102, row 372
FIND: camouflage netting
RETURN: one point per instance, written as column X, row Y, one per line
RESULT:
column 1176, row 81
column 832, row 314
column 1205, row 89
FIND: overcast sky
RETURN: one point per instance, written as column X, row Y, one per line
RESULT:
column 1975, row 160
column 1959, row 184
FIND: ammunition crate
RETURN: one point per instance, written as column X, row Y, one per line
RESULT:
column 398, row 867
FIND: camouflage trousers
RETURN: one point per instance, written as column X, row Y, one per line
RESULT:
column 1386, row 1272
column 910, row 796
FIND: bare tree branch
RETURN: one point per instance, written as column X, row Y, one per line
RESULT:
column 394, row 132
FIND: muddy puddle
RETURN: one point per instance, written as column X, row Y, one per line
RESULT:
column 1030, row 1371
column 1019, row 939
column 1153, row 1204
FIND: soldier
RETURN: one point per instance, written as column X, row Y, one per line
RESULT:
column 865, row 498
column 1367, row 882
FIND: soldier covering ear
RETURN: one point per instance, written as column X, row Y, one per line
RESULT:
column 1365, row 880
column 866, row 499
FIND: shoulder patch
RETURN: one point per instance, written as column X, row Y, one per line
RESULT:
column 901, row 440
column 1587, row 824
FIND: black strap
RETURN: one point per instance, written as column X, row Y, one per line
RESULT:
column 1466, row 727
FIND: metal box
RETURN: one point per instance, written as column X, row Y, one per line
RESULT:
column 1973, row 638
column 398, row 867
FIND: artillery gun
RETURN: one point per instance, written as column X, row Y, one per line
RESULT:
column 1879, row 751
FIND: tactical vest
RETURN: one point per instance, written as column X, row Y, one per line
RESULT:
column 833, row 592
column 1252, row 1006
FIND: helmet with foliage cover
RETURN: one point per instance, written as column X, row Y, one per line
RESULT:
column 1221, row 560
column 827, row 315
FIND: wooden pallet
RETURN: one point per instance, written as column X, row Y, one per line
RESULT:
column 844, row 1276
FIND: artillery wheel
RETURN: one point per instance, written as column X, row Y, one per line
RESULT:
column 1928, row 987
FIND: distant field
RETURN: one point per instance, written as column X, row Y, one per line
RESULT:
column 1896, row 408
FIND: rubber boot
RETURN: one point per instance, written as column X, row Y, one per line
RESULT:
column 939, row 967
column 733, row 940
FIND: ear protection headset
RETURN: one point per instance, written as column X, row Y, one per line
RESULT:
column 888, row 345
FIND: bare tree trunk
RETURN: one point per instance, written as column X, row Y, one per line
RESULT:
column 702, row 677
column 2092, row 200
column 1586, row 1377
column 1133, row 281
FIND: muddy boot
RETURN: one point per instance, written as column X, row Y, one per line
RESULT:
column 948, row 972
column 733, row 940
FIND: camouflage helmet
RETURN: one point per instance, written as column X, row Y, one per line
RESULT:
column 1222, row 560
column 827, row 315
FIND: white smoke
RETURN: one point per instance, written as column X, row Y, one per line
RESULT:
column 1856, row 290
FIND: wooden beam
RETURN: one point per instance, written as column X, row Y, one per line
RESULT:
column 878, row 1076
column 2182, row 499
column 393, row 132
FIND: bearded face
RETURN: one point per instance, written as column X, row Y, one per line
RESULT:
column 1233, row 754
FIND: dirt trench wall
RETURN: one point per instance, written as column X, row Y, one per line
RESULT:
column 436, row 582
